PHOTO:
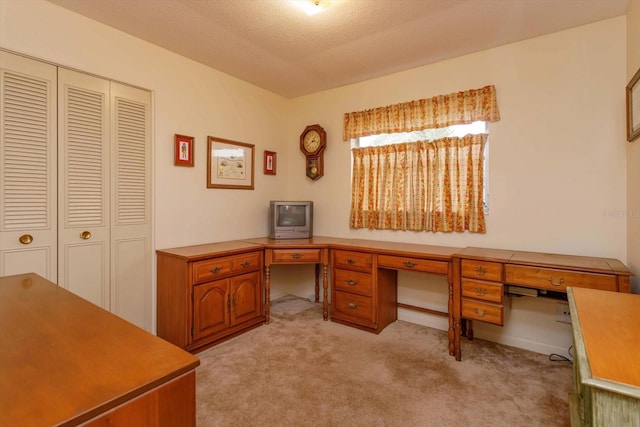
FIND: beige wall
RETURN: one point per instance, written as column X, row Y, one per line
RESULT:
column 633, row 152
column 557, row 168
column 557, row 175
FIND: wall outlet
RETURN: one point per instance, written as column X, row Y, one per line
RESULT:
column 563, row 315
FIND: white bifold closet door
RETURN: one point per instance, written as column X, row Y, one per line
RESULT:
column 104, row 233
column 84, row 186
column 28, row 148
column 76, row 179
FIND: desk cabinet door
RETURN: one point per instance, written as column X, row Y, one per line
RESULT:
column 246, row 298
column 210, row 308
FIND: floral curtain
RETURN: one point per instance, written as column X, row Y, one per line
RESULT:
column 420, row 186
column 440, row 111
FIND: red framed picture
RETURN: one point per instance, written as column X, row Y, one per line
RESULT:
column 183, row 150
column 269, row 163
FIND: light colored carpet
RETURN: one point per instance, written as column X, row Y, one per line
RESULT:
column 302, row 371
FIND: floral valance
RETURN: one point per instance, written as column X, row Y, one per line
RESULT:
column 440, row 111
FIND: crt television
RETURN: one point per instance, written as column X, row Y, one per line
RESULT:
column 290, row 220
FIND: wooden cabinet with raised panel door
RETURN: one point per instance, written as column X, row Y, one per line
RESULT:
column 209, row 293
column 362, row 295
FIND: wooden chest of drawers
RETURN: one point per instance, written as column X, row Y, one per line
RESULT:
column 362, row 295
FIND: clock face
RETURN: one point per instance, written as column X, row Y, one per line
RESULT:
column 311, row 141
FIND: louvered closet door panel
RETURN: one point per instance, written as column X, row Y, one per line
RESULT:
column 83, row 186
column 28, row 167
column 131, row 204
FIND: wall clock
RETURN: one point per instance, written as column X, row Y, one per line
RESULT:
column 313, row 141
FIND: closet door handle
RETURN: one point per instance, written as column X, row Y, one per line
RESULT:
column 85, row 235
column 25, row 239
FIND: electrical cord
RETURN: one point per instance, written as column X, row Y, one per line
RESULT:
column 560, row 358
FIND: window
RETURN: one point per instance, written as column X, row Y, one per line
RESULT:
column 474, row 128
column 430, row 180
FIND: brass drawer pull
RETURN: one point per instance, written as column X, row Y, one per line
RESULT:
column 351, row 282
column 480, row 312
column 215, row 270
column 352, row 305
column 480, row 271
column 85, row 235
column 555, row 282
column 351, row 261
column 245, row 264
column 296, row 255
column 409, row 264
column 25, row 239
column 480, row 291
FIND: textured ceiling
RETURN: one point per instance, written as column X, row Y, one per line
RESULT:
column 274, row 45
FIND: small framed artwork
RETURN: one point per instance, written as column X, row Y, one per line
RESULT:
column 269, row 163
column 230, row 164
column 183, row 150
column 633, row 108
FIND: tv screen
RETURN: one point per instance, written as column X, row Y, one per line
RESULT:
column 291, row 216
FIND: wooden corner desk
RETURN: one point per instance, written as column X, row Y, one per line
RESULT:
column 364, row 280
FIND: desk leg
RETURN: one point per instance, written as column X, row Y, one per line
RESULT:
column 317, row 283
column 267, row 293
column 456, row 340
column 452, row 328
column 325, row 287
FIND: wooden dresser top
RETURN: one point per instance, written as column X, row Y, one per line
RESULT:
column 64, row 360
column 609, row 325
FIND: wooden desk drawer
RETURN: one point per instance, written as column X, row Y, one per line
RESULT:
column 557, row 279
column 292, row 256
column 485, row 312
column 479, row 289
column 355, row 308
column 360, row 261
column 416, row 264
column 213, row 269
column 484, row 270
column 353, row 281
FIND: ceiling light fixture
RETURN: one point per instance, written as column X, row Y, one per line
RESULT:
column 311, row 7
